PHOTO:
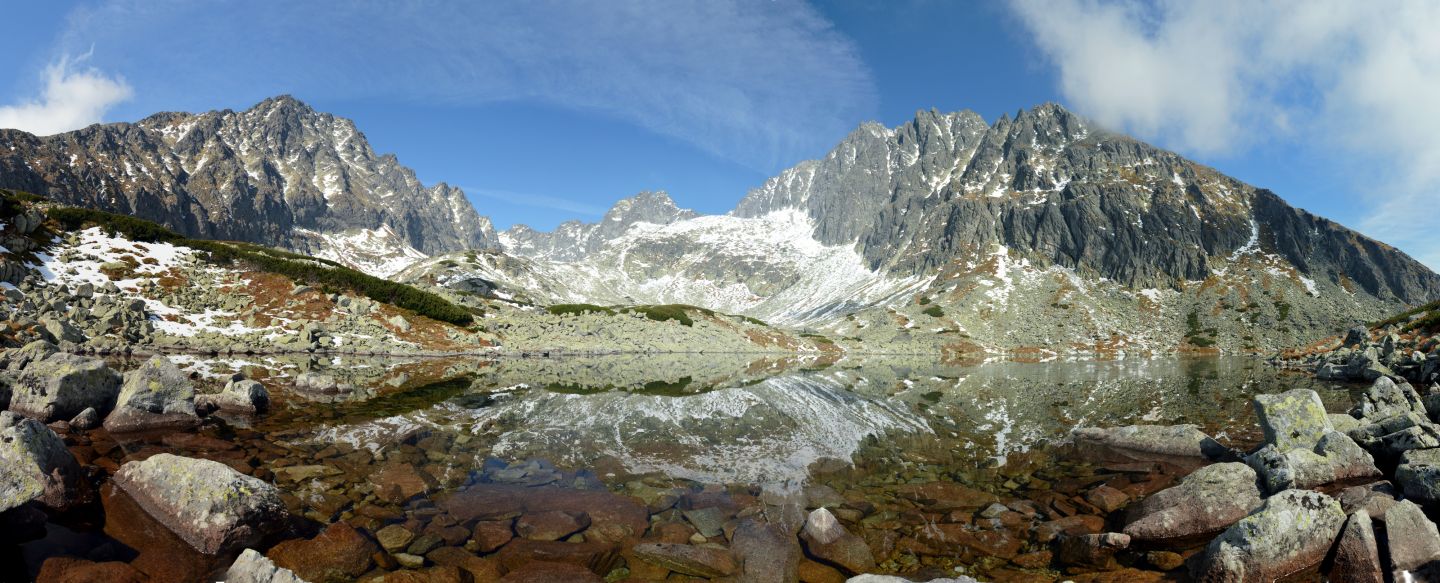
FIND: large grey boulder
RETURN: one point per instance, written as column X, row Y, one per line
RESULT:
column 253, row 567
column 1385, row 398
column 1334, row 458
column 17, row 359
column 1419, row 475
column 239, row 396
column 59, row 386
column 206, row 503
column 1292, row 419
column 1413, row 543
column 1271, row 543
column 158, row 395
column 36, row 465
column 1205, row 502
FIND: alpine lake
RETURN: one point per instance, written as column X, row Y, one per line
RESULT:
column 940, row 468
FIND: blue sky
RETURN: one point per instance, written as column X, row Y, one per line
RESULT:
column 547, row 111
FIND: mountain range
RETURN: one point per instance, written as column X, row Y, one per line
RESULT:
column 1041, row 230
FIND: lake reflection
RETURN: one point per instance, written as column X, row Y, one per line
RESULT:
column 734, row 419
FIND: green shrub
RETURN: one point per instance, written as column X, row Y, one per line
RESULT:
column 664, row 312
column 563, row 309
column 818, row 338
column 934, row 312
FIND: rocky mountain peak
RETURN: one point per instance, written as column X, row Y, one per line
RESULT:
column 278, row 173
column 573, row 240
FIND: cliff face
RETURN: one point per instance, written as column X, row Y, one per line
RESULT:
column 279, row 173
column 1048, row 186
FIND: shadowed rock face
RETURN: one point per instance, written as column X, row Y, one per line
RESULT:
column 1062, row 192
column 267, row 175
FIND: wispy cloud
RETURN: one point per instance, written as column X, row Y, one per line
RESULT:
column 73, row 96
column 536, row 200
column 758, row 82
column 1218, row 76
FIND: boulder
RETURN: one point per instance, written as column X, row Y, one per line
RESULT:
column 339, row 553
column 893, row 579
column 209, row 505
column 1151, row 443
column 1292, row 420
column 73, row 570
column 60, row 386
column 1269, row 544
column 1412, row 541
column 767, row 553
column 1419, row 475
column 1202, row 504
column 241, row 396
column 826, row 539
column 36, row 465
column 1357, row 557
column 1385, row 398
column 690, row 560
column 1334, row 458
column 87, row 419
column 16, row 360
column 550, row 572
column 158, row 395
column 253, row 567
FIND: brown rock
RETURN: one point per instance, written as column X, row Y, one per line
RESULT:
column 439, row 574
column 72, row 570
column 340, row 553
column 687, row 559
column 550, row 524
column 398, row 482
column 1375, row 498
column 163, row 555
column 812, row 572
column 826, row 539
column 1357, row 557
column 1164, row 560
column 1070, row 525
column 492, row 534
column 946, row 495
column 545, row 572
column 768, row 553
column 1035, row 560
column 481, row 569
column 1092, row 551
column 613, row 518
column 1412, row 540
column 599, row 557
column 1107, row 499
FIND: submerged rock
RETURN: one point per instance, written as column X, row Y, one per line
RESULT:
column 1204, row 503
column 60, row 386
column 768, row 553
column 688, row 560
column 1292, row 420
column 1291, row 532
column 826, row 539
column 1154, row 442
column 206, row 503
column 339, row 553
column 158, row 395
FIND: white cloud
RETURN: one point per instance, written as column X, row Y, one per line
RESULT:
column 72, row 98
column 1216, row 77
column 760, row 83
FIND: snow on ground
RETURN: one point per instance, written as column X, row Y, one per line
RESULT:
column 96, row 248
column 380, row 252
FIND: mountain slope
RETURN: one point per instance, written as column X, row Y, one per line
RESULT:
column 949, row 225
column 279, row 174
